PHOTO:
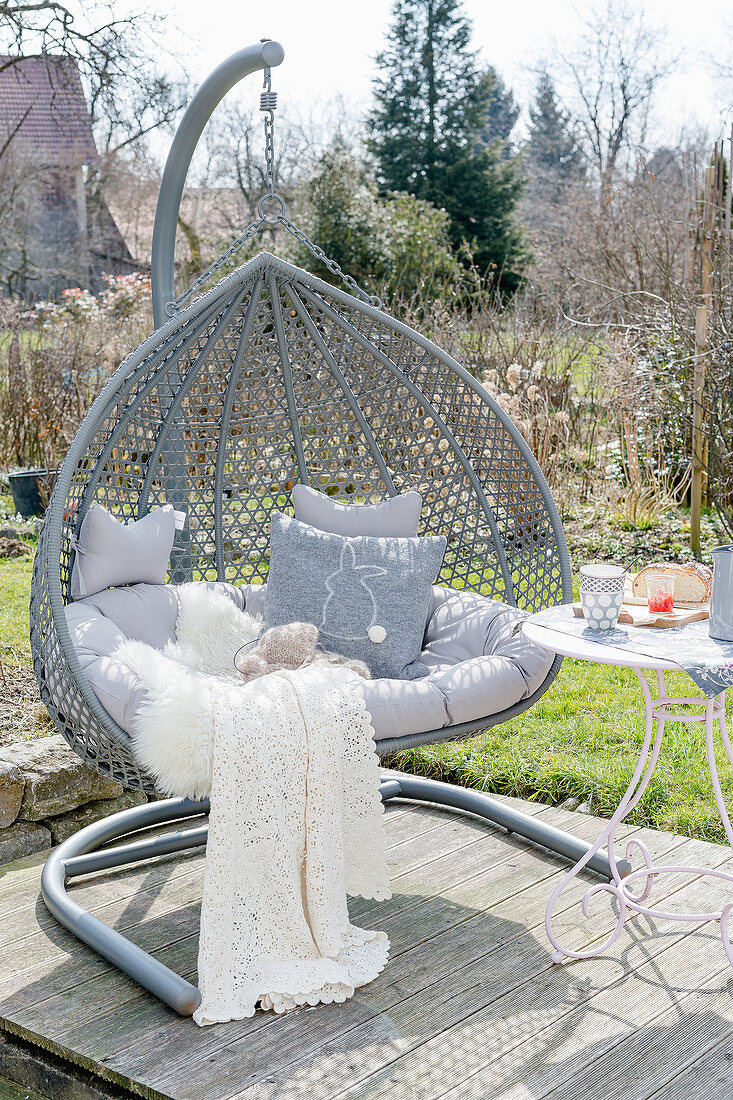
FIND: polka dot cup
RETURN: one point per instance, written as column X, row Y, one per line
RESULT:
column 601, row 609
column 601, row 595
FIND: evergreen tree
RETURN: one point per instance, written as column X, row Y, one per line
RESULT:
column 553, row 154
column 502, row 112
column 432, row 102
column 340, row 209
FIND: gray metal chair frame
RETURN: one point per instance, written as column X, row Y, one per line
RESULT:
column 274, row 377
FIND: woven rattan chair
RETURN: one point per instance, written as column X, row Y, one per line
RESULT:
column 274, row 377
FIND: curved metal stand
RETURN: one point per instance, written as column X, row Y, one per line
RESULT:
column 84, row 853
column 262, row 55
column 659, row 711
column 80, row 855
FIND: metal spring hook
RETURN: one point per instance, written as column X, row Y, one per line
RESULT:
column 268, row 98
column 268, row 101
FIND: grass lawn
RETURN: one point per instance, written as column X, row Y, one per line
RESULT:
column 15, row 585
column 580, row 740
column 21, row 714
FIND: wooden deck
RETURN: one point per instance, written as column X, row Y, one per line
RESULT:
column 470, row 1005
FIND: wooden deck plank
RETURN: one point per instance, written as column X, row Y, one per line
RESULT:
column 412, row 823
column 476, row 892
column 111, row 1032
column 502, row 849
column 170, row 960
column 26, row 920
column 420, row 1019
column 516, row 1026
column 76, row 984
column 443, row 870
column 696, row 1021
column 531, row 1060
column 612, row 1012
column 707, row 1077
column 56, row 954
column 122, row 897
column 658, row 1045
column 94, row 891
column 16, row 876
column 468, row 1002
column 414, row 999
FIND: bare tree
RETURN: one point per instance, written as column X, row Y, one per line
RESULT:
column 229, row 174
column 129, row 95
column 19, row 182
column 612, row 77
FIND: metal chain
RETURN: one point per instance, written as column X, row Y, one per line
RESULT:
column 182, row 300
column 333, row 267
column 270, row 213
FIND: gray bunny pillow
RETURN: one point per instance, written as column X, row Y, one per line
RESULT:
column 369, row 597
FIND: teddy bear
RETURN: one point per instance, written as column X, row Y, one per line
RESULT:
column 291, row 646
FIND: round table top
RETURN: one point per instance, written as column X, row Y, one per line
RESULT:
column 584, row 649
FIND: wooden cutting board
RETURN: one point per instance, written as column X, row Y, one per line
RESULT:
column 640, row 601
column 635, row 615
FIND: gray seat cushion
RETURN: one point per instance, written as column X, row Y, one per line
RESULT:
column 478, row 665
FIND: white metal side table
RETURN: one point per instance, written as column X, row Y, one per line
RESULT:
column 660, row 710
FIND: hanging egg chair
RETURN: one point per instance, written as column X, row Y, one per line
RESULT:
column 269, row 379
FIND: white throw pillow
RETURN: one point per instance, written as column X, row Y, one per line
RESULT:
column 395, row 518
column 110, row 553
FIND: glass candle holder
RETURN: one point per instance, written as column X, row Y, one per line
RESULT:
column 660, row 592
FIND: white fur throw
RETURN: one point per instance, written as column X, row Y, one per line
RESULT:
column 295, row 823
column 173, row 736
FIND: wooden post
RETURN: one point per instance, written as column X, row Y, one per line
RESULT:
column 728, row 200
column 698, row 439
column 701, row 339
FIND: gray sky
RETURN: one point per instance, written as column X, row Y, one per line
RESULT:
column 330, row 45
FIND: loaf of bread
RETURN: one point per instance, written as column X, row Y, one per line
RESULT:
column 693, row 581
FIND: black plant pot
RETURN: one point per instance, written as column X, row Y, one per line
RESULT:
column 27, row 498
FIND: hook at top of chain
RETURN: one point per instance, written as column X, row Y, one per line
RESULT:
column 268, row 104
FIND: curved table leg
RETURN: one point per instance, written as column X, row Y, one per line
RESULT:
column 621, row 888
column 722, row 808
column 639, row 782
column 710, row 749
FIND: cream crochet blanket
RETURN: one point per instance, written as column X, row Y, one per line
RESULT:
column 295, row 820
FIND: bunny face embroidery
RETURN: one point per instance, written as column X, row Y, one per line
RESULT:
column 350, row 610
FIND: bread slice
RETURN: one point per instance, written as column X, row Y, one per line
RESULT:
column 693, row 581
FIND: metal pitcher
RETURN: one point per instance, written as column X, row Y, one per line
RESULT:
column 721, row 599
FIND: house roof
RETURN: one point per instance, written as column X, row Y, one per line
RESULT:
column 44, row 112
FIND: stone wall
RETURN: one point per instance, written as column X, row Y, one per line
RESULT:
column 47, row 793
